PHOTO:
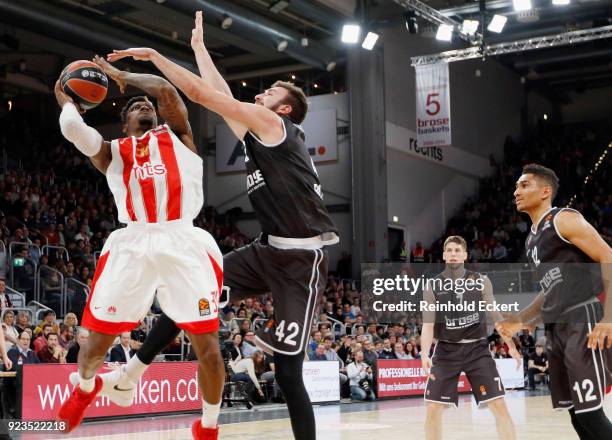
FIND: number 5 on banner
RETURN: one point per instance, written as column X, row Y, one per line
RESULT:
column 432, row 102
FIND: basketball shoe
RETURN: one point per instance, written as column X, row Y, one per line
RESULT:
column 73, row 409
column 201, row 433
column 116, row 385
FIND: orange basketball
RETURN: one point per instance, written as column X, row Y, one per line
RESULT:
column 84, row 82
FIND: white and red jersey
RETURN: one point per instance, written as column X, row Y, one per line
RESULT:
column 155, row 178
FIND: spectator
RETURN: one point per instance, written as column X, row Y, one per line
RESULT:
column 53, row 352
column 316, row 340
column 122, row 352
column 21, row 353
column 418, row 253
column 48, row 318
column 399, row 353
column 319, row 353
column 5, row 301
column 41, row 341
column 527, row 342
column 11, row 335
column 243, row 369
column 387, row 351
column 538, row 364
column 248, row 344
column 369, row 354
column 23, row 321
column 71, row 320
column 66, row 336
column 73, row 351
column 412, row 351
column 360, row 377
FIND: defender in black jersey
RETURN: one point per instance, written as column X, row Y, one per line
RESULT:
column 462, row 345
column 289, row 259
column 563, row 247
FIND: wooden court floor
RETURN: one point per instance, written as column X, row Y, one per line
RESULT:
column 387, row 420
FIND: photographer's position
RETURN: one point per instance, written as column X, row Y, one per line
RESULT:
column 360, row 375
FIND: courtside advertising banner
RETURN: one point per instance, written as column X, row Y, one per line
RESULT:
column 322, row 381
column 321, row 140
column 406, row 377
column 165, row 387
column 433, row 116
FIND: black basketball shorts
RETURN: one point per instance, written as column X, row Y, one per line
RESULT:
column 473, row 358
column 296, row 278
column 579, row 376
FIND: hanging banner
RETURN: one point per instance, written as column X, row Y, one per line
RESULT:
column 433, row 124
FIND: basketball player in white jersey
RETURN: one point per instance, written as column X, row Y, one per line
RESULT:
column 155, row 176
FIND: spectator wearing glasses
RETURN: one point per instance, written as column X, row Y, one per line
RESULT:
column 248, row 344
column 23, row 322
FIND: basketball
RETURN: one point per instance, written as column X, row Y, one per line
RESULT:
column 84, row 82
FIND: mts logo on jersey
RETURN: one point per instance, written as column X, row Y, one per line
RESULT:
column 148, row 170
column 255, row 181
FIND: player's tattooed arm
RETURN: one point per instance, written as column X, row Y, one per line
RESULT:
column 169, row 103
column 573, row 227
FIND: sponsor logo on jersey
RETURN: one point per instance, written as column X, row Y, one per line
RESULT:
column 464, row 321
column 111, row 310
column 255, row 180
column 142, row 150
column 204, row 307
column 147, row 170
column 551, row 279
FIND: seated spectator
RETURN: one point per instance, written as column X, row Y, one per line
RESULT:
column 53, row 352
column 412, row 351
column 66, row 336
column 248, row 344
column 48, row 318
column 73, row 351
column 21, row 353
column 360, row 377
column 316, row 340
column 71, row 320
column 386, row 352
column 243, row 369
column 122, row 352
column 23, row 321
column 399, row 353
column 11, row 335
column 41, row 341
column 369, row 355
column 5, row 301
column 319, row 353
column 527, row 342
column 538, row 364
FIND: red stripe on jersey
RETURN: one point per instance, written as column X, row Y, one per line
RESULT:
column 174, row 183
column 125, row 149
column 147, row 182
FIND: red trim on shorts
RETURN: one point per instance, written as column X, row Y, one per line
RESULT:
column 90, row 321
column 218, row 272
column 198, row 327
column 174, row 183
column 125, row 149
column 609, row 390
column 147, row 184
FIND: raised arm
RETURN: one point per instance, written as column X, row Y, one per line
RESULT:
column 266, row 124
column 85, row 138
column 170, row 105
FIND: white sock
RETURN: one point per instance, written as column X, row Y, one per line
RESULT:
column 210, row 414
column 135, row 368
column 87, row 385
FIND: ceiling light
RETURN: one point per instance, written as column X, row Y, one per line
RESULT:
column 497, row 23
column 350, row 33
column 522, row 5
column 244, row 84
column 227, row 22
column 304, row 42
column 293, row 77
column 445, row 32
column 560, row 2
column 330, row 66
column 316, row 86
column 282, row 45
column 370, row 41
column 469, row 27
column 278, row 6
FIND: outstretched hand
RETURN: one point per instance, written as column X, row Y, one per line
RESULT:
column 63, row 98
column 597, row 338
column 510, row 325
column 138, row 53
column 111, row 71
column 197, row 34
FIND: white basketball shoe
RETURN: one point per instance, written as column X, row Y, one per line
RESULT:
column 116, row 385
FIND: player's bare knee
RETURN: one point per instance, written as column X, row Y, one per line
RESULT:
column 434, row 409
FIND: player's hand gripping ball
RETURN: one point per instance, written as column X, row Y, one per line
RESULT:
column 85, row 83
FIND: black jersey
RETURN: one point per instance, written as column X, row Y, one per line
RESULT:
column 284, row 188
column 563, row 271
column 453, row 325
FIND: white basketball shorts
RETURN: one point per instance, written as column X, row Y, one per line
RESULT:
column 180, row 262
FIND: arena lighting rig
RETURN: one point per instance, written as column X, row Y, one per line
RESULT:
column 479, row 47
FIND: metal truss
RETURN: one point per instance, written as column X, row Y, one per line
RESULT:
column 564, row 39
column 433, row 15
